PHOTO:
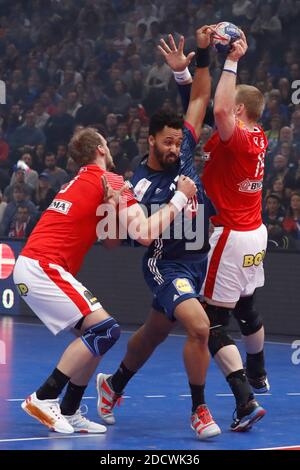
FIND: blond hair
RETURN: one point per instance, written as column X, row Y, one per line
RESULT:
column 253, row 100
column 83, row 145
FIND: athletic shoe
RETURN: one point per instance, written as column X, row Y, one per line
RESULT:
column 48, row 413
column 107, row 399
column 203, row 423
column 246, row 416
column 259, row 384
column 81, row 424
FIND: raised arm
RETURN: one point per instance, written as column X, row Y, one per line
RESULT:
column 201, row 87
column 194, row 97
column 224, row 102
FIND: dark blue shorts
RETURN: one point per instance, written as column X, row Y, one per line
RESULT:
column 172, row 282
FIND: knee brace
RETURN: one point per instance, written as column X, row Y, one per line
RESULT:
column 102, row 336
column 247, row 316
column 219, row 318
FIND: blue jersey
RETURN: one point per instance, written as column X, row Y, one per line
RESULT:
column 152, row 187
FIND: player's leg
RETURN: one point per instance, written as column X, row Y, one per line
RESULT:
column 99, row 332
column 222, row 288
column 196, row 359
column 75, row 302
column 140, row 347
column 252, row 329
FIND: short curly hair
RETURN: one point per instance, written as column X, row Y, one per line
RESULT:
column 83, row 145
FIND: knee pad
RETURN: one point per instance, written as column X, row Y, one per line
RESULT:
column 102, row 336
column 247, row 316
column 219, row 318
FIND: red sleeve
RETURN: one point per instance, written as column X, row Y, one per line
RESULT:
column 116, row 182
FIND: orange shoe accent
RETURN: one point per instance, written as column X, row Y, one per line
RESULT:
column 32, row 410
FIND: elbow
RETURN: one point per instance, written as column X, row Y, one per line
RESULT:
column 220, row 112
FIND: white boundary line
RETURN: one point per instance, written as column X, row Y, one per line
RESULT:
column 296, row 394
column 155, row 396
column 279, row 448
column 71, row 436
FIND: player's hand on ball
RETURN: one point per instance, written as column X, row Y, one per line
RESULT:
column 204, row 35
column 112, row 196
column 187, row 186
column 238, row 48
column 174, row 55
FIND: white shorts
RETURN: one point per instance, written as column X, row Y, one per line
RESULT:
column 235, row 264
column 54, row 295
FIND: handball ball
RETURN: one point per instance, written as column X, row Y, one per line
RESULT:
column 225, row 34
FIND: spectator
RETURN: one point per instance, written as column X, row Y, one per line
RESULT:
column 27, row 134
column 127, row 143
column 278, row 189
column 31, row 176
column 57, row 176
column 111, row 124
column 41, row 114
column 119, row 156
column 72, row 168
column 39, row 157
column 282, row 170
column 274, row 131
column 59, row 127
column 121, row 100
column 61, row 156
column 291, row 223
column 44, row 193
column 19, row 200
column 90, row 111
column 73, row 103
column 22, row 225
column 18, row 179
column 267, row 22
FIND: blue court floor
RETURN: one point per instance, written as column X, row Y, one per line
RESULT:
column 156, row 409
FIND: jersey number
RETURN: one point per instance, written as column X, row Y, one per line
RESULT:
column 260, row 165
column 69, row 185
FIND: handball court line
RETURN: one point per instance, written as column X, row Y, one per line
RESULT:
column 49, row 438
column 295, row 447
column 220, row 395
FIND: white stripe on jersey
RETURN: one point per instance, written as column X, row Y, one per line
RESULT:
column 154, row 270
column 158, row 248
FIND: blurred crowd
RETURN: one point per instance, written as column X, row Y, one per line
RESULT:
column 73, row 63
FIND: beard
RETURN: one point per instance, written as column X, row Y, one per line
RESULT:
column 163, row 158
column 109, row 162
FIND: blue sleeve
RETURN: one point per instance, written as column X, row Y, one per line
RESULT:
column 187, row 150
column 185, row 93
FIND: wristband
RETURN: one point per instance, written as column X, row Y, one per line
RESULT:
column 183, row 76
column 179, row 200
column 230, row 66
column 202, row 57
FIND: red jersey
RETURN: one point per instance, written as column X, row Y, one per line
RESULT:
column 67, row 229
column 233, row 177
